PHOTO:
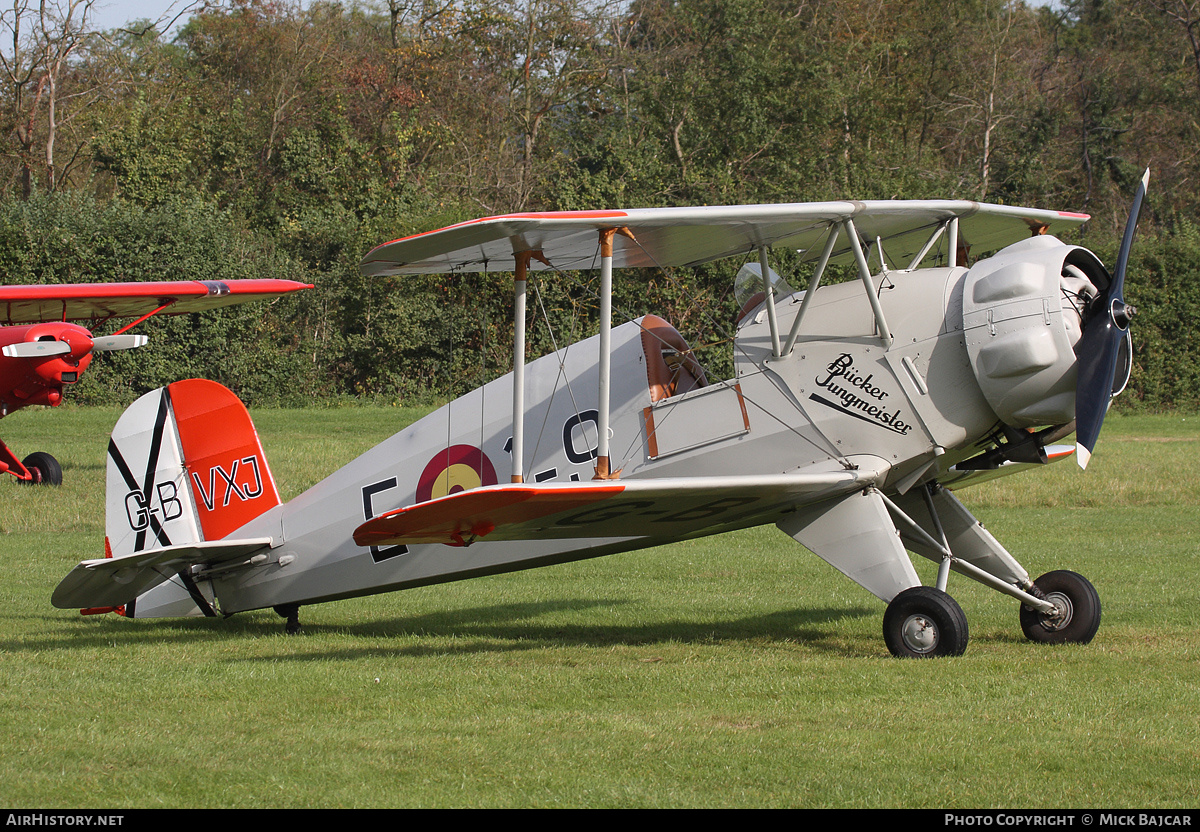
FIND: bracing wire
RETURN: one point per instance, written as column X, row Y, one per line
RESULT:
column 562, row 369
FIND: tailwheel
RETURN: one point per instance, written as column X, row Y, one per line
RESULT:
column 292, row 613
column 1078, row 616
column 44, row 468
column 924, row 622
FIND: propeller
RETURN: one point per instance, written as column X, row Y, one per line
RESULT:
column 36, row 349
column 46, row 349
column 1105, row 346
column 112, row 343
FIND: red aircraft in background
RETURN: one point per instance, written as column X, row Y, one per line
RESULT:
column 41, row 351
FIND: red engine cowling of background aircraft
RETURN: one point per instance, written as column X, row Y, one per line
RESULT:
column 39, row 380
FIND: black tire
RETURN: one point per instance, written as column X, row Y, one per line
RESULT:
column 1081, row 605
column 44, row 468
column 924, row 623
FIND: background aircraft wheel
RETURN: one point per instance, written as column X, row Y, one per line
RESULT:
column 1080, row 603
column 45, row 469
column 924, row 622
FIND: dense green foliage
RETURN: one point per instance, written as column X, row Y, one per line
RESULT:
column 275, row 139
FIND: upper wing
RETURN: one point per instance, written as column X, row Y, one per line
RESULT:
column 93, row 301
column 689, row 236
column 627, row 509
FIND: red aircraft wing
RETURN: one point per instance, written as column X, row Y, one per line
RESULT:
column 100, row 301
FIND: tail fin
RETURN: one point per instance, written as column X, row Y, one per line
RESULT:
column 185, row 465
column 185, row 471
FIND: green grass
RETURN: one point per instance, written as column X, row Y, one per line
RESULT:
column 736, row 671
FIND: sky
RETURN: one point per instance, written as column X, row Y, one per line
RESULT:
column 111, row 14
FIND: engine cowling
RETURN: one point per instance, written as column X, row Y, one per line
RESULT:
column 1024, row 311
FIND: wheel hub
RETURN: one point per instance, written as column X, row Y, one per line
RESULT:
column 1063, row 614
column 920, row 634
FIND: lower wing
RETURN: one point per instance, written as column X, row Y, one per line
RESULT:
column 663, row 508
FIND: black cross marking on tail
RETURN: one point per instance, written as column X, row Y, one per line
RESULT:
column 143, row 492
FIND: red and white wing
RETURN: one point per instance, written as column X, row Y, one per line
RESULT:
column 689, row 236
column 649, row 508
column 101, row 301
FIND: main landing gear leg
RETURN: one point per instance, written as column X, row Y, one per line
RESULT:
column 1061, row 607
column 292, row 613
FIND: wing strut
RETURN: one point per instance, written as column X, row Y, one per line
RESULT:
column 518, row 418
column 603, row 463
column 128, row 327
column 864, row 271
column 933, row 238
column 765, row 271
column 952, row 246
column 603, row 458
column 813, row 283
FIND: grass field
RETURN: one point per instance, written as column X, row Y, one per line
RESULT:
column 735, row 671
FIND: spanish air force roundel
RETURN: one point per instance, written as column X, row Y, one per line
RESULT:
column 457, row 468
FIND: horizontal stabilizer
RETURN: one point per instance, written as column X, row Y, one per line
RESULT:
column 111, row 582
column 36, row 349
column 623, row 509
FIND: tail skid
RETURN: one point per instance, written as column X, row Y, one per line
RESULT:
column 186, row 470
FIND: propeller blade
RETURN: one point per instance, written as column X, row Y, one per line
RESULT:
column 1103, row 347
column 112, row 343
column 36, row 349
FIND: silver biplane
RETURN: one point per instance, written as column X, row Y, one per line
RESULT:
column 856, row 411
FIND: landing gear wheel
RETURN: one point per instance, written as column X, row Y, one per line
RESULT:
column 1080, row 610
column 924, row 622
column 45, row 469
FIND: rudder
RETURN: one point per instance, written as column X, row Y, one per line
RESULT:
column 231, row 483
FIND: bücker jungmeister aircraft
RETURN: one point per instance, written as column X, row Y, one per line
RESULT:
column 857, row 411
column 41, row 351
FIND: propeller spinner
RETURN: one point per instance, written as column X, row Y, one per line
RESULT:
column 1105, row 346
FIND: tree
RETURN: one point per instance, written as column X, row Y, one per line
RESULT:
column 42, row 93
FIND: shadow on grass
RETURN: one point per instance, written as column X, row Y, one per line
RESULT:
column 487, row 629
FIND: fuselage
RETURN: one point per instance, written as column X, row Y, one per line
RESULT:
column 837, row 397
